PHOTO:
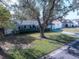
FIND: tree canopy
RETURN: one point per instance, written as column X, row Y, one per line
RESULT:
column 4, row 16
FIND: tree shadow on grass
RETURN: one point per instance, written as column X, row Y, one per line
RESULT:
column 21, row 53
column 17, row 39
column 62, row 38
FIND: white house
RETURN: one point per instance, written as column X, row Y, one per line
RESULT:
column 55, row 25
column 75, row 23
column 26, row 25
column 70, row 23
column 32, row 25
column 8, row 31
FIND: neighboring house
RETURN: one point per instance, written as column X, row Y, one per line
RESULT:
column 77, row 20
column 75, row 23
column 66, row 23
column 69, row 23
column 55, row 25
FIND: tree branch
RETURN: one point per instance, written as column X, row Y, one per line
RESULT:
column 67, row 12
column 49, row 13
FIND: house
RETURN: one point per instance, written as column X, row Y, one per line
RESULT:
column 26, row 26
column 69, row 23
column 66, row 23
column 32, row 26
column 8, row 31
column 77, row 20
column 75, row 23
column 55, row 25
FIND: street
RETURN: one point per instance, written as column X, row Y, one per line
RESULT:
column 64, row 55
column 61, row 53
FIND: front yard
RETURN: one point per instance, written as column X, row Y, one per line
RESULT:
column 32, row 47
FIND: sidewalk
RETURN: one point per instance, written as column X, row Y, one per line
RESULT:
column 70, row 33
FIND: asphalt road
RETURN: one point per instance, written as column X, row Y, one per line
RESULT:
column 65, row 55
column 62, row 53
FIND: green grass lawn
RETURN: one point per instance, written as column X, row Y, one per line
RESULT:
column 40, row 47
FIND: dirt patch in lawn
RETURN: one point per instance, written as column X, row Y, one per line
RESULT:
column 18, row 41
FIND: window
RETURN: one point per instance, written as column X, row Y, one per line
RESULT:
column 24, row 26
column 19, row 27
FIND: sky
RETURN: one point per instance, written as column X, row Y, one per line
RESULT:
column 11, row 2
column 72, row 15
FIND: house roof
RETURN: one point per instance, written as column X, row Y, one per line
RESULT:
column 56, row 22
column 26, row 22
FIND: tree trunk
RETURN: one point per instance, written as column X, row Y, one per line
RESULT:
column 1, row 33
column 42, row 32
column 41, row 28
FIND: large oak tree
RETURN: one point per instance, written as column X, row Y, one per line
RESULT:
column 47, row 9
column 44, row 10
